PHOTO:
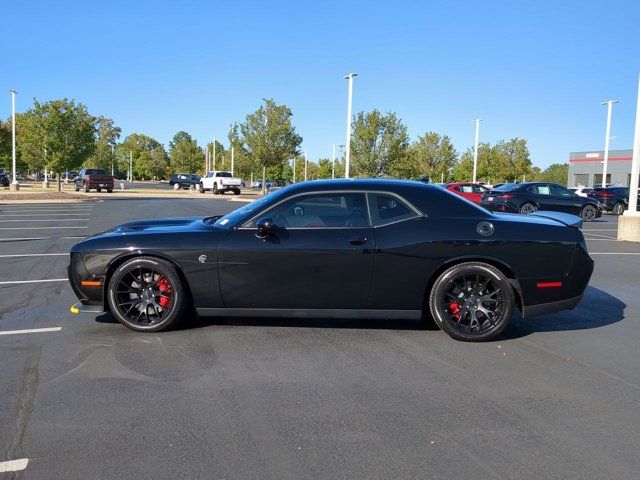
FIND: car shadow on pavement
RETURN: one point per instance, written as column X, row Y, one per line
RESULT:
column 598, row 309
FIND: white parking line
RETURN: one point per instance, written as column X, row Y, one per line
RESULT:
column 30, row 330
column 18, row 282
column 36, row 228
column 614, row 253
column 23, row 239
column 34, row 255
column 24, row 220
column 45, row 215
column 601, row 236
column 14, row 465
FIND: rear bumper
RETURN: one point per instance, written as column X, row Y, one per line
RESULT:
column 551, row 307
column 499, row 207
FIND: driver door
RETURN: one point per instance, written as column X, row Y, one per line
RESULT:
column 320, row 255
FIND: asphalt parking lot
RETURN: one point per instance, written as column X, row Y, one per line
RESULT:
column 554, row 397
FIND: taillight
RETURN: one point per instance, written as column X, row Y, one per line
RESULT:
column 605, row 195
column 507, row 196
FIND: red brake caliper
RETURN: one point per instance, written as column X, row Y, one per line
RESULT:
column 164, row 302
column 455, row 308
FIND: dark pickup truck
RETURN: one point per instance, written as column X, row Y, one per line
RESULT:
column 93, row 178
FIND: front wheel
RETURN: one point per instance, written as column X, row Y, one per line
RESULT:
column 528, row 208
column 146, row 294
column 201, row 188
column 236, row 191
column 618, row 208
column 472, row 301
column 588, row 213
column 215, row 189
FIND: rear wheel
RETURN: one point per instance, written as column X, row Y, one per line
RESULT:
column 236, row 191
column 201, row 188
column 86, row 187
column 98, row 189
column 528, row 208
column 215, row 189
column 618, row 208
column 588, row 213
column 472, row 301
column 146, row 294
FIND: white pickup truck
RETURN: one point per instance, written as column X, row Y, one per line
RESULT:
column 219, row 182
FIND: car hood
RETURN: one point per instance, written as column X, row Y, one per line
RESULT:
column 161, row 225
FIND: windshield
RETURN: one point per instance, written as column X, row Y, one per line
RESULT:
column 249, row 209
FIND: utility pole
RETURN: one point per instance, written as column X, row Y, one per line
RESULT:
column 607, row 139
column 112, row 157
column 232, row 160
column 306, row 160
column 14, row 184
column 214, row 153
column 333, row 161
column 130, row 166
column 349, row 77
column 45, row 184
column 475, row 151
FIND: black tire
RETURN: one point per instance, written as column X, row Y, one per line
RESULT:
column 527, row 208
column 201, row 188
column 215, row 189
column 618, row 208
column 588, row 213
column 142, row 277
column 77, row 189
column 458, row 301
column 236, row 191
column 98, row 189
column 86, row 188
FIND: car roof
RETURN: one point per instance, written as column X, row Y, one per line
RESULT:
column 357, row 184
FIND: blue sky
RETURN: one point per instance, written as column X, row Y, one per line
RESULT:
column 533, row 69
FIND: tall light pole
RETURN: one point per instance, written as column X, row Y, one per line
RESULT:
column 232, row 160
column 14, row 184
column 130, row 166
column 475, row 151
column 113, row 153
column 306, row 160
column 607, row 139
column 635, row 164
column 333, row 161
column 214, row 153
column 349, row 77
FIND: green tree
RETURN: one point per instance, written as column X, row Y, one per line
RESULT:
column 556, row 173
column 107, row 135
column 379, row 145
column 62, row 127
column 432, row 155
column 463, row 168
column 185, row 154
column 512, row 159
column 268, row 137
column 145, row 152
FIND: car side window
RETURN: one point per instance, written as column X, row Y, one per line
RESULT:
column 560, row 191
column 466, row 188
column 540, row 189
column 319, row 210
column 386, row 209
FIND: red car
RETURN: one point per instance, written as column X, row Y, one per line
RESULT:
column 471, row 191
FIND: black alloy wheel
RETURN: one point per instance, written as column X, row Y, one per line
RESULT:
column 472, row 301
column 146, row 294
column 618, row 208
column 588, row 213
column 528, row 208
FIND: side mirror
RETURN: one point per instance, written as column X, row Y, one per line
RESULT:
column 265, row 227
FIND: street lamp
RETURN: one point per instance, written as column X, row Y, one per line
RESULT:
column 607, row 138
column 475, row 151
column 349, row 77
column 14, row 184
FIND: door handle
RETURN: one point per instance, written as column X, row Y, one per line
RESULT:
column 358, row 241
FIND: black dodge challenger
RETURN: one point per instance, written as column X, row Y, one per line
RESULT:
column 343, row 249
